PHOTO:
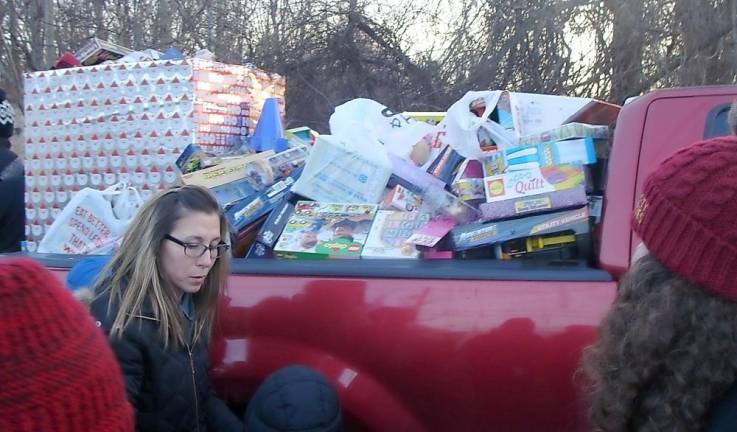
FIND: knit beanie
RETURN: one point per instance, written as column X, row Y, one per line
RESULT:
column 6, row 116
column 57, row 372
column 687, row 214
column 296, row 399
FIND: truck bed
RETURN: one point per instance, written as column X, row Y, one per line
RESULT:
column 405, row 346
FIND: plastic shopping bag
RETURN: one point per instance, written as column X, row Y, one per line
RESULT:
column 361, row 118
column 93, row 221
column 463, row 128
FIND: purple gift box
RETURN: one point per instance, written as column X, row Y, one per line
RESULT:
column 540, row 203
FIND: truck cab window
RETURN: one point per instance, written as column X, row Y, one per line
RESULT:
column 717, row 123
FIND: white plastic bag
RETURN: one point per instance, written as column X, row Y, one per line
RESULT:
column 461, row 126
column 93, row 221
column 366, row 118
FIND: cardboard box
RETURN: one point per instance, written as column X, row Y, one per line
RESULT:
column 441, row 203
column 402, row 199
column 567, row 131
column 389, row 234
column 261, row 173
column 446, row 165
column 337, row 172
column 540, row 203
column 533, row 181
column 325, row 230
column 477, row 235
column 560, row 246
column 411, row 176
column 494, row 164
column 535, row 113
column 272, row 228
column 574, row 151
column 596, row 112
column 276, row 222
column 96, row 51
column 243, row 212
column 469, row 189
column 231, row 192
column 230, row 170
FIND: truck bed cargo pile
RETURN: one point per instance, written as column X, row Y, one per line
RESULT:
column 384, row 185
column 500, row 175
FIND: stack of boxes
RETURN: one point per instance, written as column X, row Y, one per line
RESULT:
column 99, row 125
column 528, row 200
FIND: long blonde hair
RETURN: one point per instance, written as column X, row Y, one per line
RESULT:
column 133, row 276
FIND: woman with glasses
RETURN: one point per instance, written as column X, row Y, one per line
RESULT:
column 157, row 300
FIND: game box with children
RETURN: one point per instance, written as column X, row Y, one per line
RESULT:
column 325, row 230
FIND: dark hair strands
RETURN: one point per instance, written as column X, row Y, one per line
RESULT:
column 667, row 351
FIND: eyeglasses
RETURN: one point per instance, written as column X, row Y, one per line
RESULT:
column 196, row 250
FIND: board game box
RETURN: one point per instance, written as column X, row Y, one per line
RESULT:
column 389, row 234
column 325, row 230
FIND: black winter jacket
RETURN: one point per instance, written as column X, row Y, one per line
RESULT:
column 169, row 389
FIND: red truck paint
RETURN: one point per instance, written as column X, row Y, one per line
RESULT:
column 428, row 354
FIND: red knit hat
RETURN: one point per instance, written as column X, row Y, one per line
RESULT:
column 57, row 372
column 687, row 214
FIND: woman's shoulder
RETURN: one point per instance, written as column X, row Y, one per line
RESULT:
column 102, row 310
column 105, row 309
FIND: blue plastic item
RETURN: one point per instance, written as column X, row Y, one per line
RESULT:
column 269, row 133
column 84, row 273
column 172, row 54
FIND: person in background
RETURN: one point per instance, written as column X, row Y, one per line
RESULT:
column 156, row 299
column 666, row 358
column 12, row 184
column 57, row 372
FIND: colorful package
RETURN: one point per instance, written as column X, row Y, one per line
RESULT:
column 229, row 170
column 533, row 181
column 402, row 199
column 389, row 234
column 471, row 236
column 539, row 203
column 567, row 131
column 325, row 230
column 573, row 151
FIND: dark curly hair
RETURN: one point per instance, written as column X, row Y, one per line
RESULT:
column 667, row 351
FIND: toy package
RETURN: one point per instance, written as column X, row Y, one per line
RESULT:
column 390, row 232
column 325, row 230
column 270, row 231
column 533, row 190
column 401, row 198
column 476, row 235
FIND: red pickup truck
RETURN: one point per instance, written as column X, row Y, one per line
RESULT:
column 465, row 345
